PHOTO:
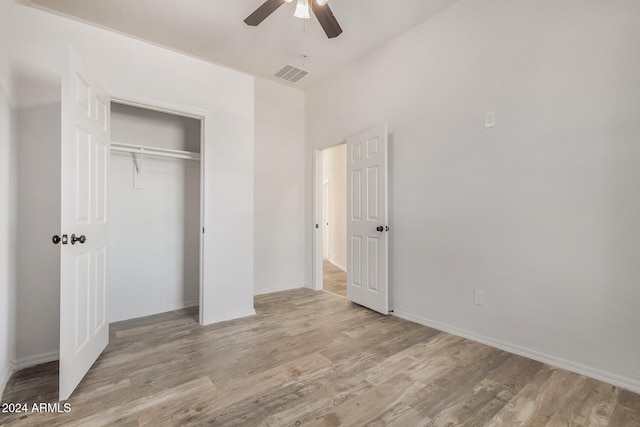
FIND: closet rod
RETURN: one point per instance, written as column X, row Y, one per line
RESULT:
column 154, row 151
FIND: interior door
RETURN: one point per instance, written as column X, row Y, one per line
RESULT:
column 84, row 329
column 325, row 219
column 367, row 256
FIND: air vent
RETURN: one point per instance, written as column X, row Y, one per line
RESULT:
column 291, row 73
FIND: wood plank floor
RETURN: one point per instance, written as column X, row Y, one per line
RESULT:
column 334, row 280
column 313, row 358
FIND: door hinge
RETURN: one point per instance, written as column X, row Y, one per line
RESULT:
column 202, row 230
column 317, row 225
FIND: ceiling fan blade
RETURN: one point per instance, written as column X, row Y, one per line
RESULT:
column 262, row 12
column 327, row 20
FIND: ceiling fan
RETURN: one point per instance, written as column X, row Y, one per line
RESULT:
column 320, row 9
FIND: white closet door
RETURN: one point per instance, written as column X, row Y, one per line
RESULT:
column 84, row 329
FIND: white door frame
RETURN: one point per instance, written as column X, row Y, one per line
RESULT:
column 326, row 214
column 205, row 122
column 317, row 220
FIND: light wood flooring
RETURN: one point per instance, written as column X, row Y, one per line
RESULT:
column 313, row 358
column 334, row 280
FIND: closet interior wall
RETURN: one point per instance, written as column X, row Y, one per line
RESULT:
column 154, row 247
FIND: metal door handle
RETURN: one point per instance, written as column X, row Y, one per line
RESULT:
column 80, row 239
column 380, row 228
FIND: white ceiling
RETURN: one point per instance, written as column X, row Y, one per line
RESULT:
column 214, row 30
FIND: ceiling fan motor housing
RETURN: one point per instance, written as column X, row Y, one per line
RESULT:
column 320, row 9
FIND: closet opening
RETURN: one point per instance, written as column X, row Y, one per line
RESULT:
column 155, row 212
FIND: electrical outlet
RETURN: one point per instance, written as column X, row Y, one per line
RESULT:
column 478, row 297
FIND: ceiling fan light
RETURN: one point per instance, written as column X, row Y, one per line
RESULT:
column 321, row 2
column 302, row 9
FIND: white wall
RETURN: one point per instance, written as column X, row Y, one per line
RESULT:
column 8, row 169
column 6, row 10
column 38, row 293
column 136, row 70
column 334, row 169
column 7, row 346
column 154, row 233
column 541, row 212
column 279, row 187
column 135, row 125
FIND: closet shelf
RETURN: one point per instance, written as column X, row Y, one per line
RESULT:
column 154, row 151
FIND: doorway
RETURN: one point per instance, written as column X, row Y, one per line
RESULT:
column 154, row 238
column 366, row 236
column 334, row 219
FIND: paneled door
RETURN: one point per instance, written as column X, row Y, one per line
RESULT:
column 84, row 329
column 326, row 237
column 367, row 257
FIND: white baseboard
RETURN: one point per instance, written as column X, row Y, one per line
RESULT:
column 277, row 289
column 189, row 304
column 229, row 316
column 4, row 379
column 29, row 361
column 341, row 267
column 608, row 377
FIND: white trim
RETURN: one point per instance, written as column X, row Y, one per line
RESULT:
column 326, row 214
column 204, row 116
column 189, row 304
column 38, row 359
column 4, row 380
column 278, row 289
column 161, row 107
column 318, row 250
column 205, row 126
column 539, row 356
column 230, row 316
column 318, row 234
column 154, row 151
column 341, row 267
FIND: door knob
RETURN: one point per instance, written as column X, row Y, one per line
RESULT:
column 80, row 239
column 380, row 228
column 58, row 239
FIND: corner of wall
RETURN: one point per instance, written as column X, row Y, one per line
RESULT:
column 8, row 218
column 279, row 188
column 4, row 379
column 7, row 199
